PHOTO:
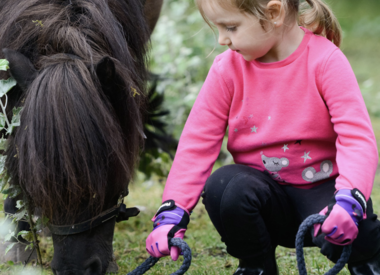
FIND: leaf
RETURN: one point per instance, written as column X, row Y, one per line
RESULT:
column 16, row 116
column 2, row 121
column 15, row 119
column 23, row 232
column 2, row 163
column 4, row 178
column 4, row 65
column 20, row 215
column 9, row 236
column 6, row 85
column 10, row 262
column 28, row 236
column 13, row 191
column 20, row 204
column 3, row 145
column 29, row 246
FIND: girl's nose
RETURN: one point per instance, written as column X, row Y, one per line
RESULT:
column 224, row 40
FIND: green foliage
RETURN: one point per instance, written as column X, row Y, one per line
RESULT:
column 15, row 122
column 11, row 190
column 181, row 44
column 4, row 65
column 9, row 247
column 6, row 86
column 155, row 162
column 183, row 49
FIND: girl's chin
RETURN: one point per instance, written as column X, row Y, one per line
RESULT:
column 247, row 57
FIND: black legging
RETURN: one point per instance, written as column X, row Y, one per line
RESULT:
column 254, row 214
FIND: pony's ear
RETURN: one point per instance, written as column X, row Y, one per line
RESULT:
column 21, row 69
column 105, row 71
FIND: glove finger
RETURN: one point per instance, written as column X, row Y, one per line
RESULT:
column 151, row 253
column 324, row 211
column 339, row 227
column 180, row 233
column 317, row 228
column 339, row 242
column 174, row 253
column 157, row 242
column 332, row 225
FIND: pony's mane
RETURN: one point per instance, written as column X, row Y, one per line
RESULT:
column 78, row 140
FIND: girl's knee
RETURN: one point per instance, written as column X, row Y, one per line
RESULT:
column 233, row 184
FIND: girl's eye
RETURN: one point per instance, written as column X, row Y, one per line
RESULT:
column 231, row 29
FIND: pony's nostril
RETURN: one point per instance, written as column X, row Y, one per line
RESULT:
column 93, row 267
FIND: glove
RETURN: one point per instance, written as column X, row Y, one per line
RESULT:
column 170, row 221
column 346, row 209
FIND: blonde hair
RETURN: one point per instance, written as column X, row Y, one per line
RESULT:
column 314, row 15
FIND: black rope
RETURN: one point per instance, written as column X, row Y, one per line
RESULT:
column 30, row 255
column 304, row 228
column 151, row 261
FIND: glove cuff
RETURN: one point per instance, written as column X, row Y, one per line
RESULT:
column 360, row 198
column 353, row 202
column 352, row 196
column 170, row 213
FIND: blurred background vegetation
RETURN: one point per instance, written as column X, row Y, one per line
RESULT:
column 183, row 49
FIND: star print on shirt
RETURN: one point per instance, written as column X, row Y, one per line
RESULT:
column 298, row 141
column 251, row 116
column 269, row 117
column 254, row 129
column 236, row 130
column 306, row 156
column 285, row 147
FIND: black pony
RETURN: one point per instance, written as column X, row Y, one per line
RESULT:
column 80, row 66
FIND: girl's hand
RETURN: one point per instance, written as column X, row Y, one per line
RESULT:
column 170, row 221
column 344, row 213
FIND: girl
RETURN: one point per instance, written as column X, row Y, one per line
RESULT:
column 299, row 133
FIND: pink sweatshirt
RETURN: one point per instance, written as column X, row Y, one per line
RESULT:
column 302, row 119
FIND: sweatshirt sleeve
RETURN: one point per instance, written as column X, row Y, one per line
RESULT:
column 357, row 154
column 200, row 142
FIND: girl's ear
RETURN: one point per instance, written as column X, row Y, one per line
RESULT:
column 276, row 13
column 105, row 70
column 20, row 67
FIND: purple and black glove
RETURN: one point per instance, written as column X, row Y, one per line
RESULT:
column 346, row 210
column 170, row 221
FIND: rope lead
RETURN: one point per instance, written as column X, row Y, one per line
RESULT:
column 151, row 261
column 305, row 227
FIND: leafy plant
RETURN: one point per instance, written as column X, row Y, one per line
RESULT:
column 13, row 191
column 5, row 124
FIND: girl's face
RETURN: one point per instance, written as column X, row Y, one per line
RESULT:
column 241, row 32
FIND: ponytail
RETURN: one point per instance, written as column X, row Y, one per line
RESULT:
column 320, row 19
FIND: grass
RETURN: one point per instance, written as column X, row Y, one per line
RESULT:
column 209, row 253
column 360, row 22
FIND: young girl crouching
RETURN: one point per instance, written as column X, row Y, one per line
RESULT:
column 298, row 130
